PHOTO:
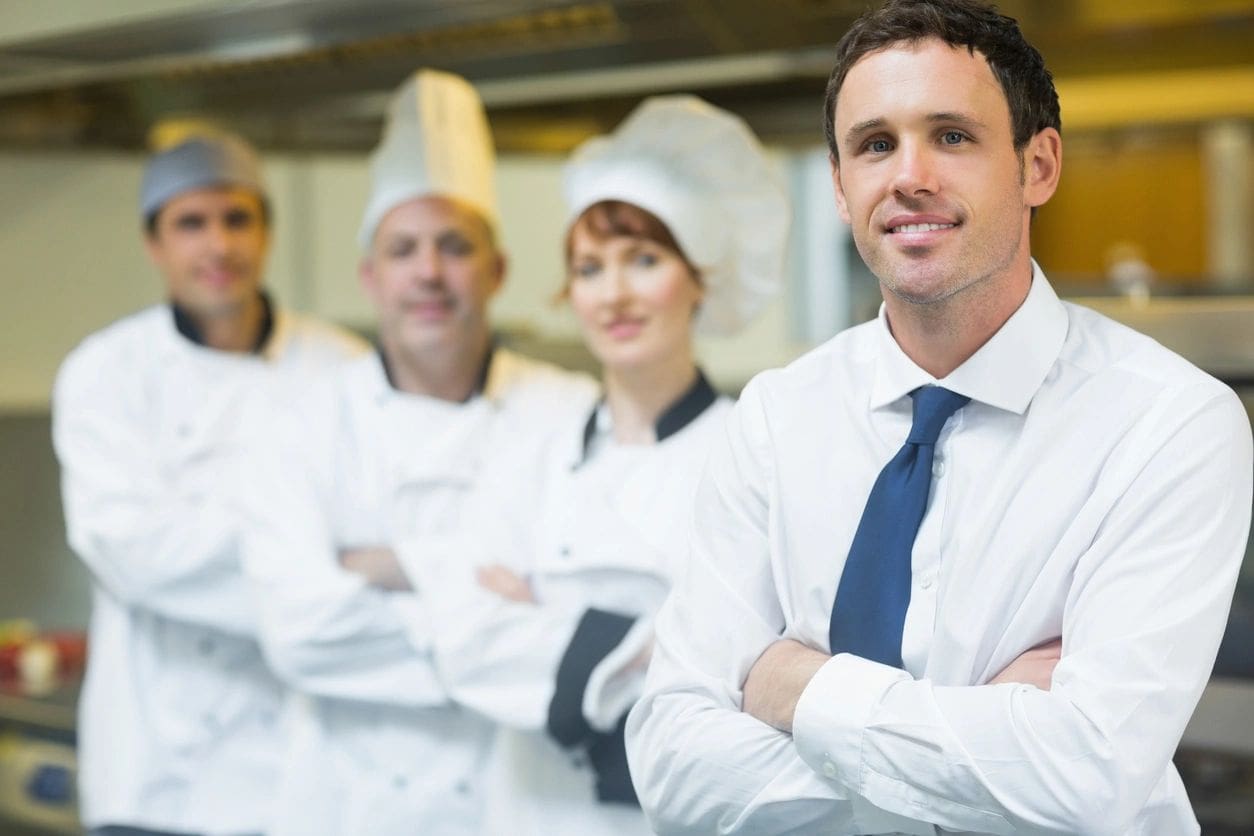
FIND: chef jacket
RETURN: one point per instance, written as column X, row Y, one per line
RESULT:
column 378, row 747
column 600, row 538
column 178, row 725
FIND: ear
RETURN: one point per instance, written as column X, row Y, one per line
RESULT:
column 366, row 276
column 152, row 247
column 842, row 206
column 500, row 266
column 1042, row 167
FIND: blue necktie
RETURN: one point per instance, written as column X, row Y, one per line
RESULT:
column 874, row 591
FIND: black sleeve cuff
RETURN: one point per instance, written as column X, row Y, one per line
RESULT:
column 597, row 634
column 608, row 756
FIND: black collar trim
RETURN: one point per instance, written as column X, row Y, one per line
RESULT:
column 481, row 382
column 187, row 326
column 699, row 397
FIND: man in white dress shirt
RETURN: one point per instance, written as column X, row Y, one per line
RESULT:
column 965, row 567
column 178, row 719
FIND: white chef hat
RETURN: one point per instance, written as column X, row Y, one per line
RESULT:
column 436, row 141
column 199, row 161
column 702, row 172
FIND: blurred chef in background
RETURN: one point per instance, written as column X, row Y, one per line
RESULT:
column 380, row 457
column 677, row 222
column 178, row 728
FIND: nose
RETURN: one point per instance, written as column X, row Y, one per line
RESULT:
column 915, row 173
column 220, row 238
column 428, row 266
column 613, row 286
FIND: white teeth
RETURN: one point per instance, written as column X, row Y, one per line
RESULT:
column 922, row 227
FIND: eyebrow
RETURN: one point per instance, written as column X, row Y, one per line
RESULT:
column 950, row 116
column 863, row 127
column 956, row 118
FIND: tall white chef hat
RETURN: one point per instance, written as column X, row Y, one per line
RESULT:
column 436, row 141
column 702, row 172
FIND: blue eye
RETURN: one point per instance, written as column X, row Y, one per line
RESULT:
column 879, row 146
column 586, row 269
column 646, row 260
column 953, row 137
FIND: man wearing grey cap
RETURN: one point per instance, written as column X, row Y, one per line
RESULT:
column 151, row 417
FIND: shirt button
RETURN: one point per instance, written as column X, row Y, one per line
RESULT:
column 938, row 468
column 564, row 551
column 400, row 782
column 829, row 769
column 927, row 582
column 205, row 646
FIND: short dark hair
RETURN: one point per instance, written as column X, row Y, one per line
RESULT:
column 1018, row 66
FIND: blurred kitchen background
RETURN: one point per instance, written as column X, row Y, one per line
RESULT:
column 1153, row 223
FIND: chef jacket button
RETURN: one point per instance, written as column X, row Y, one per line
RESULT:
column 829, row 769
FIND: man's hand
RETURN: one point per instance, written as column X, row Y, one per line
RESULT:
column 378, row 565
column 506, row 583
column 1033, row 667
column 776, row 680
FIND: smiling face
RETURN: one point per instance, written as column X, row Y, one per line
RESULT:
column 634, row 297
column 431, row 269
column 210, row 246
column 929, row 179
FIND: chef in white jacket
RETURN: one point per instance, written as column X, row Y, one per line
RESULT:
column 676, row 222
column 381, row 456
column 178, row 719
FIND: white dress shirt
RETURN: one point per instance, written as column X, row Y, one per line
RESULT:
column 598, row 528
column 378, row 748
column 178, row 719
column 1097, row 487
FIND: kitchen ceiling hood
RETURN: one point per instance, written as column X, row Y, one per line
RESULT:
column 315, row 74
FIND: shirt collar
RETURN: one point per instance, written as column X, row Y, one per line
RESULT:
column 481, row 381
column 689, row 406
column 1005, row 372
column 190, row 331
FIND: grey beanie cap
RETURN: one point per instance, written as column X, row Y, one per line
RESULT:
column 196, row 163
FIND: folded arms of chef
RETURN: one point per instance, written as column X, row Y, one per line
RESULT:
column 154, row 536
column 325, row 631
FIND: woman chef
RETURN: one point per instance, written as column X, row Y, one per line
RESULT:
column 676, row 222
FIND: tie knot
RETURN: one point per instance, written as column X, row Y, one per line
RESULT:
column 932, row 407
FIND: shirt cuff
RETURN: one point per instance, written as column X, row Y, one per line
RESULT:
column 618, row 680
column 833, row 713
